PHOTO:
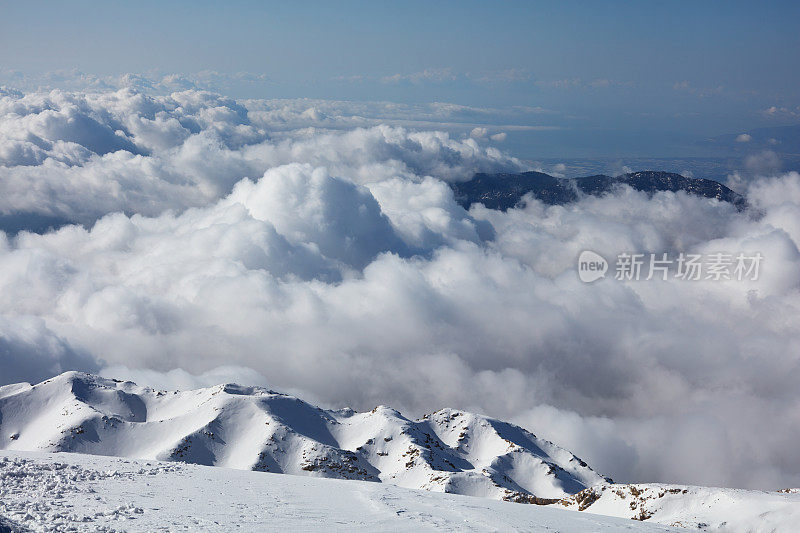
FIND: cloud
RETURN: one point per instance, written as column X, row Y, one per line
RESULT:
column 178, row 379
column 449, row 75
column 478, row 133
column 781, row 112
column 701, row 92
column 342, row 220
column 336, row 264
column 558, row 170
column 563, row 83
column 601, row 82
column 153, row 81
column 579, row 83
column 764, row 163
column 513, row 75
column 744, row 138
column 482, row 133
column 292, row 114
column 429, row 75
column 76, row 157
column 30, row 351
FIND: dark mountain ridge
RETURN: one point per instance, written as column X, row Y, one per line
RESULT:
column 504, row 191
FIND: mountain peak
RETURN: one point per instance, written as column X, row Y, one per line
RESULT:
column 505, row 191
column 257, row 429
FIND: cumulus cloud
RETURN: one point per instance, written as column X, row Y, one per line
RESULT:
column 478, row 133
column 744, row 138
column 781, row 112
column 30, row 352
column 340, row 219
column 337, row 265
column 76, row 157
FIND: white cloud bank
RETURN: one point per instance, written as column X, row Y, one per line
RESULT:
column 76, row 157
column 336, row 264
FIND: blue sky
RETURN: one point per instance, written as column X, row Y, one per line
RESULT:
column 641, row 78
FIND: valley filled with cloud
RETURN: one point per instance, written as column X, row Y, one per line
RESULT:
column 185, row 238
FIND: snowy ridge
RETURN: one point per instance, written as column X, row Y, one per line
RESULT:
column 250, row 428
column 703, row 508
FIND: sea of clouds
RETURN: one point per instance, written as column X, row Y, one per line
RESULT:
column 197, row 239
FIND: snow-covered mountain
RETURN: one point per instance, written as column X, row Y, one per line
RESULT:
column 252, row 428
column 703, row 508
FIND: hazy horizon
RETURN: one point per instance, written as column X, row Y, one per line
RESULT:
column 566, row 79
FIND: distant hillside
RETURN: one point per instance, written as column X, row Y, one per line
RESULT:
column 504, row 191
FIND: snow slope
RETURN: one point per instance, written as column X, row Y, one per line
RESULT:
column 56, row 492
column 705, row 508
column 256, row 429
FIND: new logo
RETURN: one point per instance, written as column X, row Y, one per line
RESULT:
column 591, row 266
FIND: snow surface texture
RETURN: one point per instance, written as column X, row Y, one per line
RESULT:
column 63, row 492
column 255, row 429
